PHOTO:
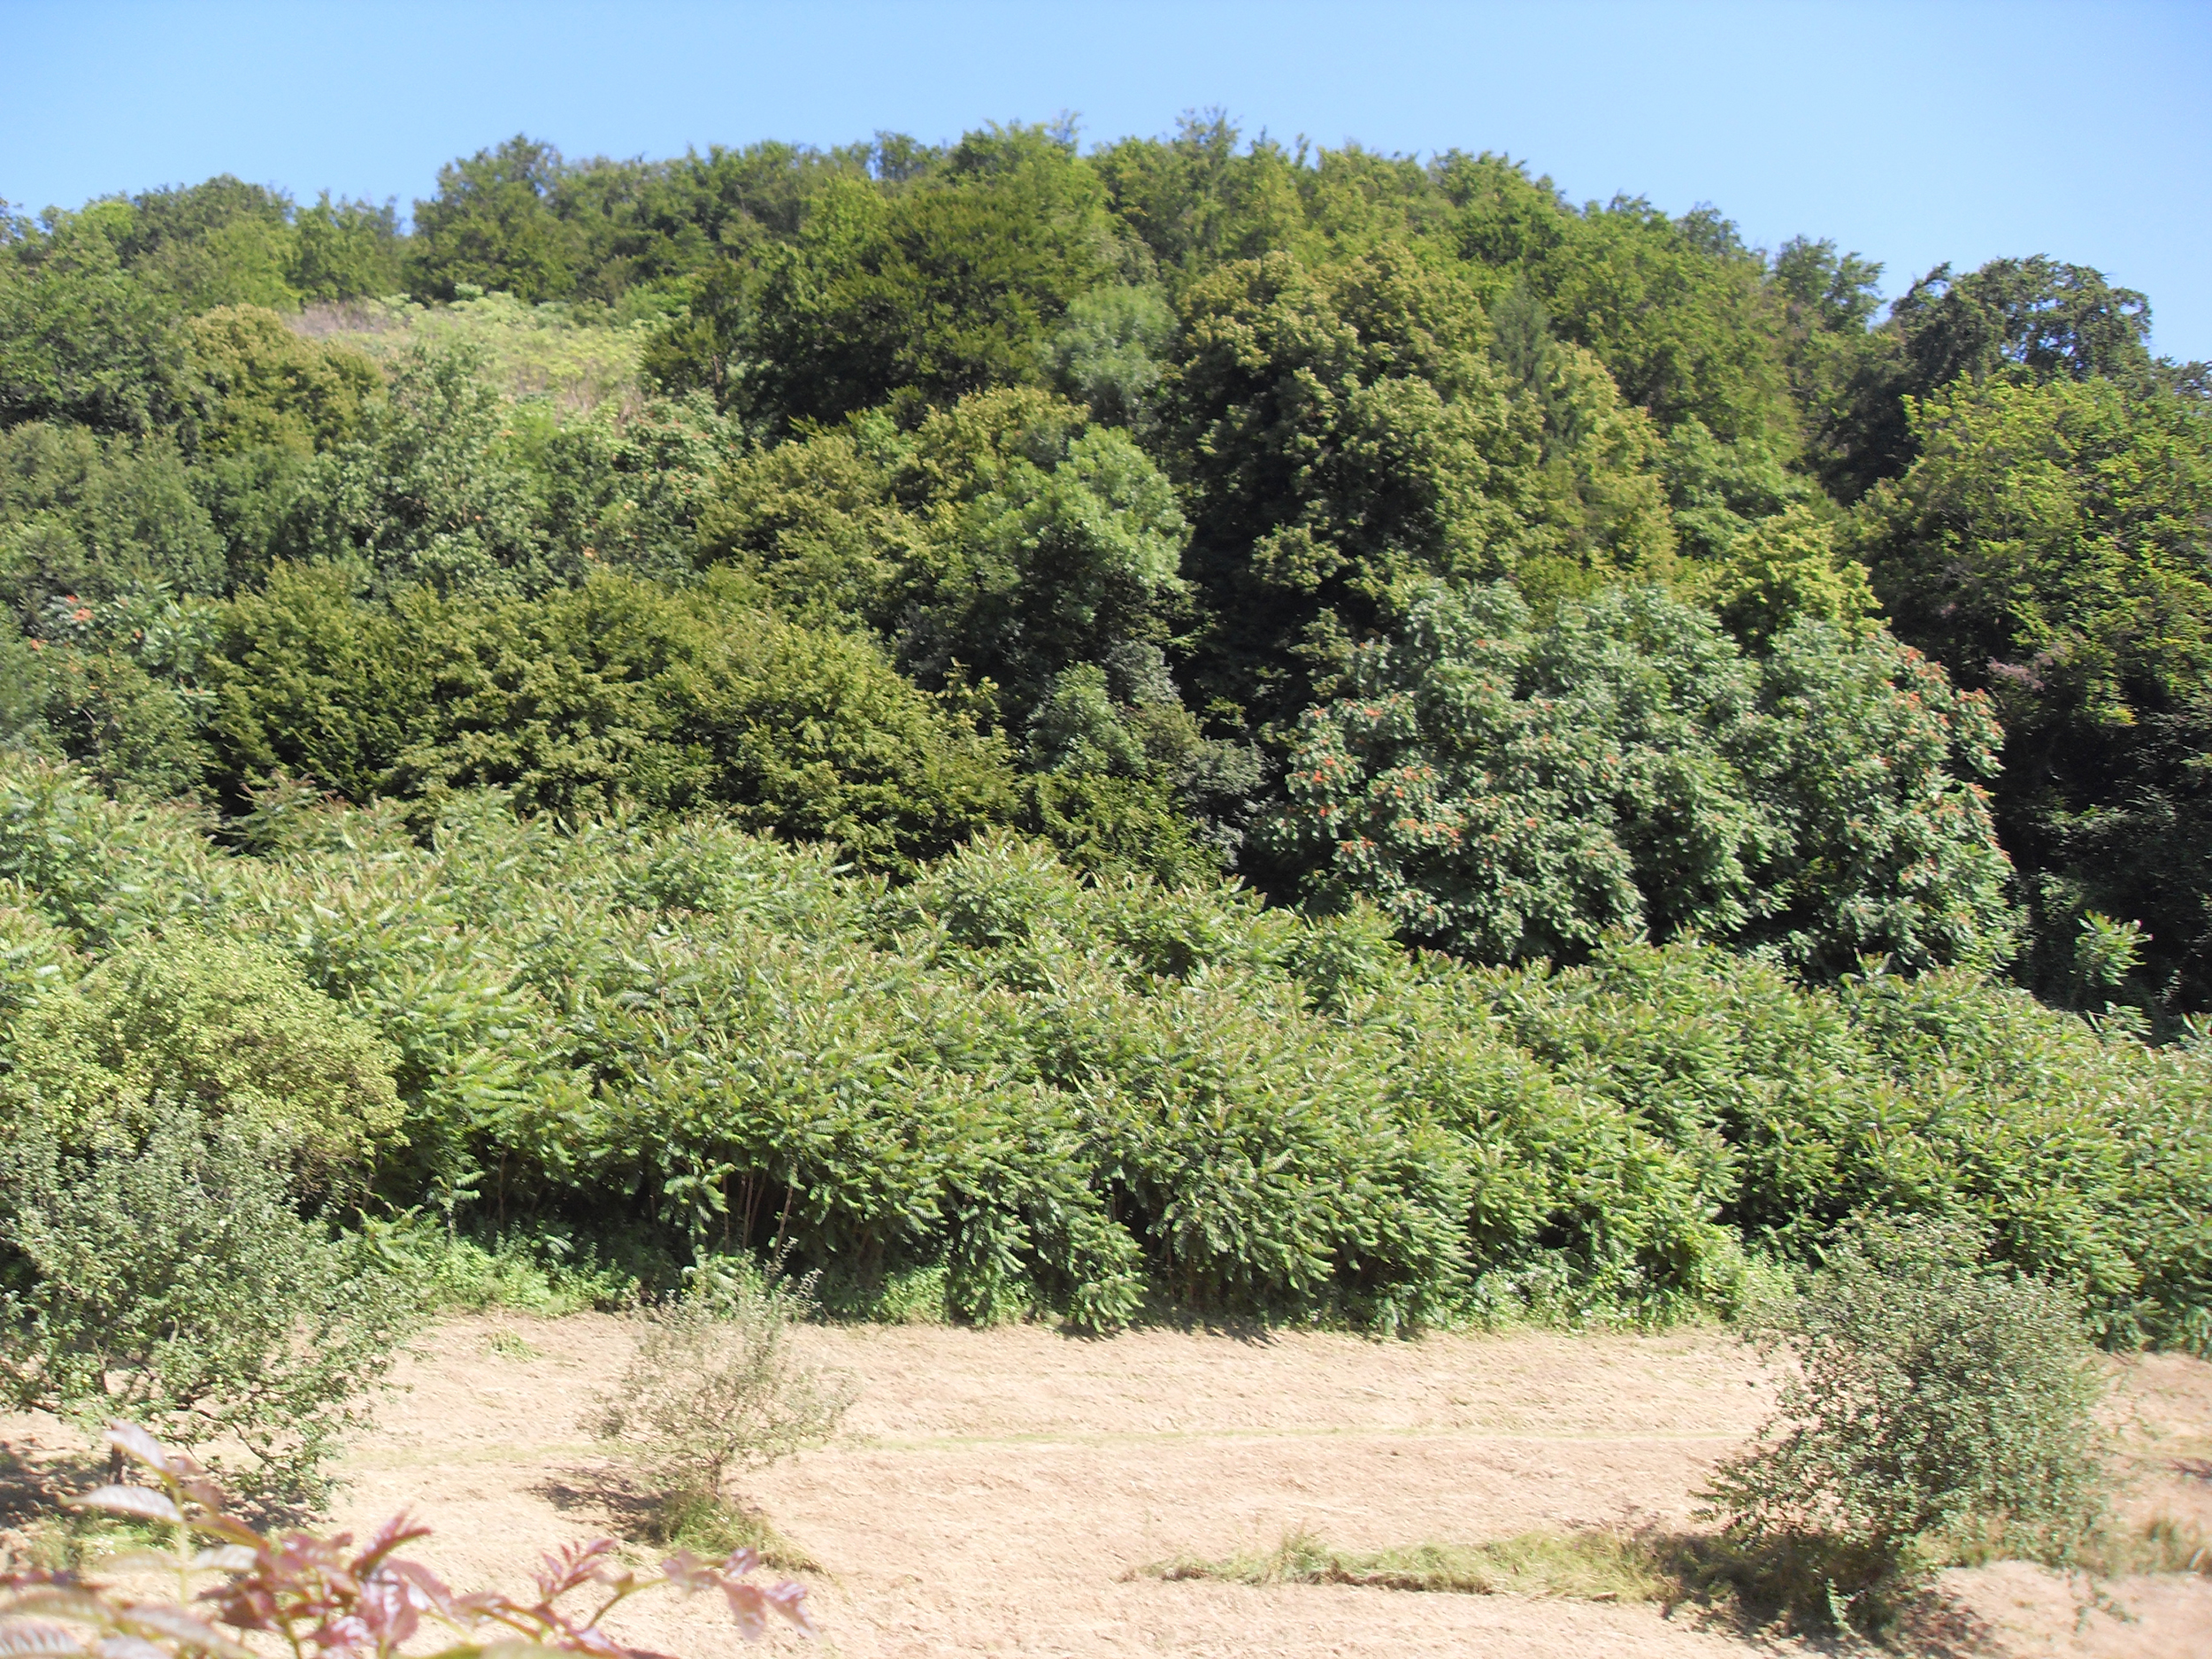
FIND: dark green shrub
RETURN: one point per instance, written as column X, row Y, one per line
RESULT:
column 173, row 1280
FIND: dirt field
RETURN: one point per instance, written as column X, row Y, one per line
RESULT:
column 994, row 1488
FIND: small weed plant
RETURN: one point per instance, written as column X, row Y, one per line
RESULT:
column 716, row 1388
column 1926, row 1401
column 176, row 1281
column 306, row 1594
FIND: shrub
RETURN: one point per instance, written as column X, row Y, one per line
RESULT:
column 174, row 1283
column 225, row 1026
column 715, row 1388
column 1928, row 1398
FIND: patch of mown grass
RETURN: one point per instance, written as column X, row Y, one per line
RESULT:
column 1755, row 1587
column 1593, row 1566
column 2158, row 1543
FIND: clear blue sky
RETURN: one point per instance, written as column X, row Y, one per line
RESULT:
column 1911, row 133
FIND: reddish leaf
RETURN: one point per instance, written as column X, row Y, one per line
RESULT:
column 789, row 1600
column 401, row 1529
column 140, row 1502
column 748, row 1607
column 566, row 1568
column 33, row 1639
column 133, row 1441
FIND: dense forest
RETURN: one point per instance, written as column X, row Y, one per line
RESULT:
column 1185, row 724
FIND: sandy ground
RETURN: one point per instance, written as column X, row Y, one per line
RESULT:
column 993, row 1490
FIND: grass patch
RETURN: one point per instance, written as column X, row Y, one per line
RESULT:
column 1750, row 1586
column 2162, row 1543
column 1591, row 1566
column 508, row 1343
column 712, row 1527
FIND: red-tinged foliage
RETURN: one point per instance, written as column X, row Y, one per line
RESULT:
column 319, row 1594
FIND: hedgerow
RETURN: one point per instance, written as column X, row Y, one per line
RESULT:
column 1101, row 1097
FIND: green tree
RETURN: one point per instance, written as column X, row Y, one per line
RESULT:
column 91, row 519
column 223, row 1026
column 1343, row 429
column 2032, row 320
column 1506, row 791
column 492, row 226
column 82, row 339
column 173, row 1283
column 1678, row 312
column 2048, row 546
column 268, row 388
column 431, row 490
column 946, row 288
column 617, row 691
column 1007, row 538
column 345, row 250
column 220, row 243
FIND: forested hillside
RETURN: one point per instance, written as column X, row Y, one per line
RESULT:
column 1176, row 724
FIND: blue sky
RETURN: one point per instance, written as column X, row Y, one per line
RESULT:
column 1911, row 133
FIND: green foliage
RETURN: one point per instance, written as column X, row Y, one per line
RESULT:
column 429, row 492
column 491, row 227
column 1508, row 792
column 1030, row 1091
column 1784, row 569
column 1008, row 540
column 88, row 517
column 268, row 387
column 626, row 491
column 1107, row 349
column 2020, row 321
column 1677, row 311
column 618, row 691
column 937, row 290
column 82, row 339
column 1001, row 488
column 170, row 1279
column 224, row 1027
column 1927, row 1398
column 2047, row 545
column 345, row 250
column 1342, row 429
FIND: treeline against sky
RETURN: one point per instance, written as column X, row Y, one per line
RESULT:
column 1545, row 588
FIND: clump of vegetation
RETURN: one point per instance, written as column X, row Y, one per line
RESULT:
column 176, row 1281
column 1928, row 1400
column 301, row 1589
column 716, row 1388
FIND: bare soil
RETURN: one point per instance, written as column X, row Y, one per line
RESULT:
column 994, row 1490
